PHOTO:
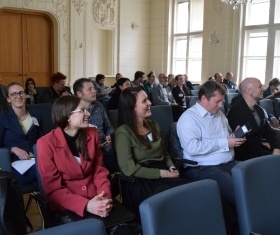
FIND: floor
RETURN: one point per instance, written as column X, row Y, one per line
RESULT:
column 33, row 214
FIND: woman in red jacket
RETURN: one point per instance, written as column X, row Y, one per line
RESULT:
column 70, row 162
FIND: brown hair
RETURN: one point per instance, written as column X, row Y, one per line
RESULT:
column 61, row 111
column 126, row 115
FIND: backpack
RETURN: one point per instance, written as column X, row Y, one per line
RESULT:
column 12, row 213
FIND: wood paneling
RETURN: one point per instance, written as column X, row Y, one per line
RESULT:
column 26, row 50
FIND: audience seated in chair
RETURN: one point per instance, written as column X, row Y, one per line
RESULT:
column 20, row 128
column 272, row 89
column 162, row 95
column 181, row 92
column 252, row 91
column 84, row 89
column 205, row 137
column 31, row 92
column 71, row 166
column 102, row 91
column 57, row 89
column 120, row 85
column 140, row 150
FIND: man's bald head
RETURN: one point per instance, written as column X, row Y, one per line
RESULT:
column 247, row 83
column 251, row 89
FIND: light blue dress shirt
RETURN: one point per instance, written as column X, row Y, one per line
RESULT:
column 203, row 136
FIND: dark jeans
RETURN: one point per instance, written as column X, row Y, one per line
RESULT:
column 222, row 175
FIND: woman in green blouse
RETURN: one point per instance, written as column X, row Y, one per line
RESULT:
column 140, row 149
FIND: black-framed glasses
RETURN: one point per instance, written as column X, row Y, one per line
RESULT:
column 82, row 110
column 15, row 94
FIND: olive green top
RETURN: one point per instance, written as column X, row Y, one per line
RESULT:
column 131, row 153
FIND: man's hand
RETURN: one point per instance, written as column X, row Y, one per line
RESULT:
column 274, row 122
column 235, row 142
column 276, row 152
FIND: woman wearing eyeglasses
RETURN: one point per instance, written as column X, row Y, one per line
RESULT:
column 30, row 90
column 20, row 128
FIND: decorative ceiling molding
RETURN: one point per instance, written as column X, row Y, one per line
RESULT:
column 80, row 5
column 104, row 12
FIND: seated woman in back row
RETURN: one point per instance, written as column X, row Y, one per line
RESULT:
column 140, row 149
column 20, row 128
column 120, row 85
column 181, row 92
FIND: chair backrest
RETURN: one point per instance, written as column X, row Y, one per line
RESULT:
column 195, row 92
column 193, row 208
column 267, row 105
column 84, row 227
column 276, row 105
column 113, row 117
column 192, row 101
column 162, row 114
column 173, row 143
column 257, row 192
column 228, row 98
column 5, row 159
column 231, row 90
column 46, row 110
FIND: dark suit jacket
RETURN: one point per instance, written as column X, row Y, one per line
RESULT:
column 50, row 95
column 158, row 97
column 240, row 114
column 12, row 135
column 178, row 94
column 68, row 184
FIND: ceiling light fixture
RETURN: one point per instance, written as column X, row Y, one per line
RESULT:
column 235, row 3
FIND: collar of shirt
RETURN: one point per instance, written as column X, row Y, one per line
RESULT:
column 202, row 111
column 163, row 86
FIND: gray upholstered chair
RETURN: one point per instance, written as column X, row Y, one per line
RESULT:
column 257, row 192
column 5, row 159
column 82, row 227
column 193, row 208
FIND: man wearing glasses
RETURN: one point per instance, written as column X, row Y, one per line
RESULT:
column 84, row 89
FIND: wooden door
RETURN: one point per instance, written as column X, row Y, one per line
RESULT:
column 27, row 49
column 10, row 47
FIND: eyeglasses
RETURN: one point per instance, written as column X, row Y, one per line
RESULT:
column 15, row 94
column 30, row 83
column 82, row 110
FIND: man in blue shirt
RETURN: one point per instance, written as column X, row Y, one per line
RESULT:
column 206, row 138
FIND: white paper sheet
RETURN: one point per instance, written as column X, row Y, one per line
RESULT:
column 23, row 165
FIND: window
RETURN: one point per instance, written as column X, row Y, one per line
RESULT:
column 261, row 30
column 187, row 38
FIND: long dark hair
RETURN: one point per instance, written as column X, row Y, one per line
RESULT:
column 120, row 82
column 126, row 114
column 27, row 81
column 61, row 111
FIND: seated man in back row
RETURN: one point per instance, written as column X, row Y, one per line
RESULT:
column 206, row 138
column 161, row 95
column 245, row 111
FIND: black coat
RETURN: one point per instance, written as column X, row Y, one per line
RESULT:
column 239, row 114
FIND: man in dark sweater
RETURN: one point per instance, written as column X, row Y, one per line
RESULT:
column 247, row 110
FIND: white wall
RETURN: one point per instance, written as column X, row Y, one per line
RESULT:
column 144, row 49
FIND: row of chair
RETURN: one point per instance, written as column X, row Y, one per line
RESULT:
column 195, row 208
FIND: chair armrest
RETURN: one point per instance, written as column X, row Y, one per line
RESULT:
column 121, row 176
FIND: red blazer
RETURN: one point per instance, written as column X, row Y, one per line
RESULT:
column 66, row 183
